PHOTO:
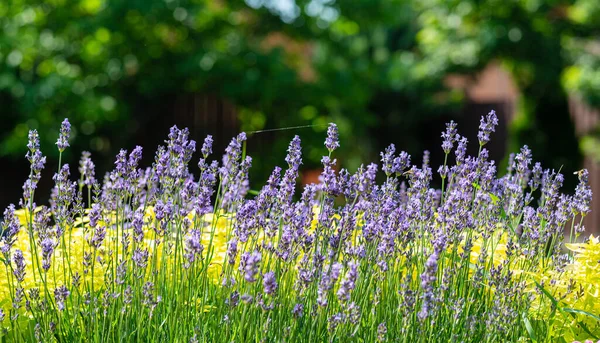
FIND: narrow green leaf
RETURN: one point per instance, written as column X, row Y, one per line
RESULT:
column 572, row 310
column 554, row 301
column 529, row 328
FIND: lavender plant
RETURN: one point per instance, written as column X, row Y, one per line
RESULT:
column 174, row 253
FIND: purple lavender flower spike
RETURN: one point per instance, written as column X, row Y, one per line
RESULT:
column 47, row 246
column 387, row 160
column 583, row 193
column 461, row 150
column 287, row 184
column 194, row 245
column 428, row 277
column 10, row 229
column 87, row 170
column 294, row 156
column 137, row 223
column 37, row 161
column 140, row 258
column 298, row 310
column 63, row 139
column 60, row 295
column 536, row 179
column 328, row 177
column 232, row 249
column 98, row 237
column 449, row 136
column 332, row 141
column 250, row 265
column 349, row 282
column 207, row 146
column 134, row 158
column 401, row 163
column 487, row 125
column 95, row 214
column 269, row 283
column 19, row 269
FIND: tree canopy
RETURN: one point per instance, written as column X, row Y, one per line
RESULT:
column 360, row 63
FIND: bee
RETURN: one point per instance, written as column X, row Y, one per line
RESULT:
column 408, row 172
column 579, row 173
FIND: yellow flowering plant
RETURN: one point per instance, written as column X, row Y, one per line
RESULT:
column 570, row 297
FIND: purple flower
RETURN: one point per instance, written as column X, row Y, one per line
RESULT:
column 47, row 246
column 294, row 156
column 425, row 159
column 163, row 210
column 60, row 295
column 63, row 139
column 428, row 278
column 269, row 283
column 332, row 141
column 37, row 161
column 98, row 237
column 137, row 223
column 349, row 282
column 194, row 245
column 583, row 194
column 207, row 146
column 401, row 163
column 233, row 299
column 19, row 269
column 288, row 182
column 234, row 172
column 461, row 150
column 9, row 229
column 232, row 248
column 328, row 178
column 94, row 214
column 536, row 180
column 18, row 298
column 249, row 264
column 134, row 159
column 140, row 258
column 449, row 137
column 296, row 312
column 487, row 125
column 87, row 170
column 387, row 160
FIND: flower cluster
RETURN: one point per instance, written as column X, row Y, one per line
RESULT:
column 174, row 253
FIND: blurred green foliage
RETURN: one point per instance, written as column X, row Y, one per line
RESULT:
column 360, row 63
